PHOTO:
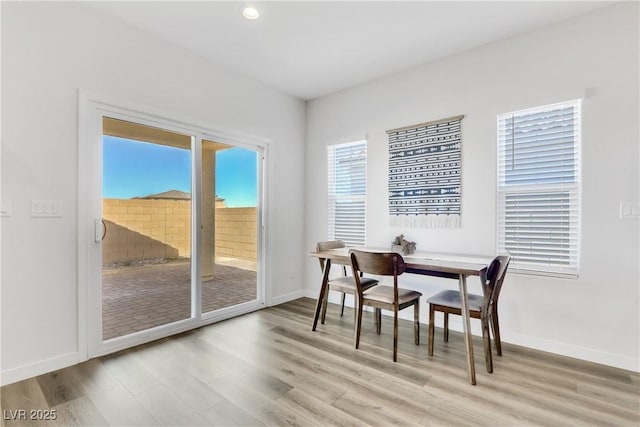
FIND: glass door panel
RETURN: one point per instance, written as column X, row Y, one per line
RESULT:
column 229, row 215
column 146, row 219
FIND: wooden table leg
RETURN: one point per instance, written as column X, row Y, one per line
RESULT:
column 466, row 325
column 323, row 290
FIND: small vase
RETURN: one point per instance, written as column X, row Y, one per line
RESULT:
column 403, row 249
column 397, row 249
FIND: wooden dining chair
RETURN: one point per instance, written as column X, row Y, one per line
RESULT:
column 483, row 307
column 345, row 284
column 382, row 297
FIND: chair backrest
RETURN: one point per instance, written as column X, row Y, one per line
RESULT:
column 378, row 263
column 493, row 277
column 332, row 244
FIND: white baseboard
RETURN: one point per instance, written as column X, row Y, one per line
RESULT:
column 312, row 293
column 37, row 368
column 569, row 350
column 286, row 297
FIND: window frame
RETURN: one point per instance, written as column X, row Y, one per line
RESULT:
column 334, row 196
column 566, row 197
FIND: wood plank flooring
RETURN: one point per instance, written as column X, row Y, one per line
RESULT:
column 268, row 369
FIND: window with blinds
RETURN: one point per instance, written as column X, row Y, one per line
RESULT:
column 347, row 185
column 539, row 188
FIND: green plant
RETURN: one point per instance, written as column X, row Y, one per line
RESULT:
column 398, row 240
column 407, row 246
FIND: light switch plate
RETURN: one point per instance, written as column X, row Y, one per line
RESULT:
column 46, row 208
column 6, row 208
column 629, row 210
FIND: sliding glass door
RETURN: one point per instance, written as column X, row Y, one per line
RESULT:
column 174, row 239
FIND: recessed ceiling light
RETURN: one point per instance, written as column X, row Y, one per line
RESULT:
column 250, row 12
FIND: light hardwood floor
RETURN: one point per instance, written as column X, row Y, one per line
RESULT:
column 268, row 368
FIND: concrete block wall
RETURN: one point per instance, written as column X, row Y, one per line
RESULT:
column 161, row 228
column 236, row 233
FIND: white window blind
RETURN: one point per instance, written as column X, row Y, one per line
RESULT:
column 347, row 185
column 539, row 188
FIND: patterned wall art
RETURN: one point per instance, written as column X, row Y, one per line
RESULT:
column 425, row 174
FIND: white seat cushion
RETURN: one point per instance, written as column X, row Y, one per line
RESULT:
column 385, row 294
column 450, row 298
column 347, row 284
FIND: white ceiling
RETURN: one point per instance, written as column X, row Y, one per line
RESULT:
column 314, row 48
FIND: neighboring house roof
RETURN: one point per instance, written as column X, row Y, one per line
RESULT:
column 173, row 195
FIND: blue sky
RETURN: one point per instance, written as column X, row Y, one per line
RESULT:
column 133, row 168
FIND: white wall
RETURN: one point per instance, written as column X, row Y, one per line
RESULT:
column 51, row 50
column 594, row 57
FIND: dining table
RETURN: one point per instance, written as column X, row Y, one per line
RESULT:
column 445, row 265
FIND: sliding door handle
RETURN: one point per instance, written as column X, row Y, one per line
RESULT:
column 100, row 230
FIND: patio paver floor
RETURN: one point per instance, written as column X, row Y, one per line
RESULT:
column 138, row 298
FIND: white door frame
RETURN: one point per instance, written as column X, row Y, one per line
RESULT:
column 91, row 108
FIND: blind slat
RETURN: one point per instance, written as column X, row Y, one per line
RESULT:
column 347, row 187
column 538, row 187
